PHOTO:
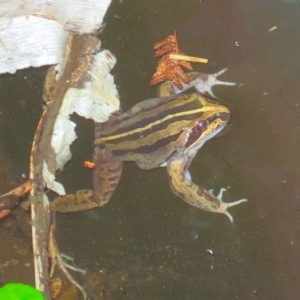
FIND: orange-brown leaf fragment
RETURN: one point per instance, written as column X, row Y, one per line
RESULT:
column 89, row 164
column 166, row 46
column 169, row 69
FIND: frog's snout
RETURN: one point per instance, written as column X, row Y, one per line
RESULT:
column 224, row 116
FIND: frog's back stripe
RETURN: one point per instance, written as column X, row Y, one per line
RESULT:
column 155, row 123
column 155, row 110
column 131, row 148
column 150, row 132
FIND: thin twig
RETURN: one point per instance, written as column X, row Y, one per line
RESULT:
column 188, row 58
column 39, row 214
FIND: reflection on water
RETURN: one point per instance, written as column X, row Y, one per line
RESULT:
column 164, row 248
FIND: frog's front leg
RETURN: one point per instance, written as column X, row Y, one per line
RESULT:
column 106, row 176
column 203, row 83
column 183, row 187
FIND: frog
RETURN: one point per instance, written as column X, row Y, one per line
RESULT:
column 161, row 132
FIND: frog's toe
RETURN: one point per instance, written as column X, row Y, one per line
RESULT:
column 220, row 196
column 236, row 202
column 226, row 212
column 209, row 91
column 229, row 216
column 226, row 205
column 220, row 72
column 219, row 82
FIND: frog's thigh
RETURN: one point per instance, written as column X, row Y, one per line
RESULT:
column 184, row 188
column 106, row 176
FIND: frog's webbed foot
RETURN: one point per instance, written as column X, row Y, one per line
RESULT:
column 225, row 205
column 184, row 188
column 204, row 82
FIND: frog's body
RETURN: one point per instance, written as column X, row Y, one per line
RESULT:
column 157, row 132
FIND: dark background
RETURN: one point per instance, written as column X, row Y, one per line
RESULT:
column 162, row 245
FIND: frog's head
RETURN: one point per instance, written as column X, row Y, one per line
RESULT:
column 213, row 117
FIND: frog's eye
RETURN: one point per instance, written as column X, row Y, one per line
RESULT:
column 201, row 126
column 197, row 132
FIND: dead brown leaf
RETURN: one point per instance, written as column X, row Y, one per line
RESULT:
column 170, row 69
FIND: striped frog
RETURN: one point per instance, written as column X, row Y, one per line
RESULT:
column 162, row 132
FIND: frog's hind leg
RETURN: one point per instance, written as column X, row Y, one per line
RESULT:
column 183, row 187
column 106, row 176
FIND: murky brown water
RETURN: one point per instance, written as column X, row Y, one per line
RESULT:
column 162, row 245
